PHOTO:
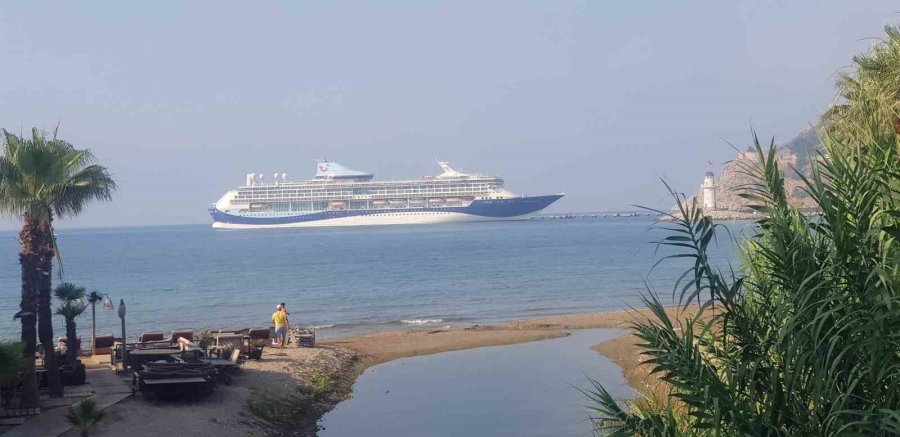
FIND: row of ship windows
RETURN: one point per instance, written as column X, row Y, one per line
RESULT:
column 348, row 193
column 417, row 213
column 372, row 187
column 364, row 191
column 391, row 214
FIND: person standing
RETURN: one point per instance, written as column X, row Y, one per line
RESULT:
column 280, row 319
column 287, row 320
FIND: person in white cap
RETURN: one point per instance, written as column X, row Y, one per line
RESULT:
column 280, row 319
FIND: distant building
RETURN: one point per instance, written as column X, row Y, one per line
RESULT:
column 708, row 191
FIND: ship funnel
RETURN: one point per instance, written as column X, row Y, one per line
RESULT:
column 449, row 172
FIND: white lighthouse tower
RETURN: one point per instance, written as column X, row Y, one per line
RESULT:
column 708, row 190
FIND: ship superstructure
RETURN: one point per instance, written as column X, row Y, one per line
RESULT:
column 338, row 196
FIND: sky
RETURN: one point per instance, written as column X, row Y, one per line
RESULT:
column 180, row 99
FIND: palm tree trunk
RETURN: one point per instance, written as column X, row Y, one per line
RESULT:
column 71, row 339
column 29, row 307
column 93, row 328
column 45, row 311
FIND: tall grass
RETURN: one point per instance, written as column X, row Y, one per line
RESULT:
column 805, row 339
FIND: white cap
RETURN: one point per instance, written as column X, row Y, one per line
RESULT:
column 278, row 307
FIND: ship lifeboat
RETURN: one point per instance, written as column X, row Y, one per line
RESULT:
column 435, row 202
column 416, row 202
column 380, row 203
column 397, row 202
column 258, row 206
column 339, row 204
column 452, row 201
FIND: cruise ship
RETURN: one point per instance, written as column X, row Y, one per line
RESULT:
column 338, row 196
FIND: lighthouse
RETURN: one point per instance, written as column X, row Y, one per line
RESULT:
column 708, row 190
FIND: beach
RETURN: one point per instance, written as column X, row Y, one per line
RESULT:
column 287, row 384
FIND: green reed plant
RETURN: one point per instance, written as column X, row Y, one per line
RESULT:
column 805, row 338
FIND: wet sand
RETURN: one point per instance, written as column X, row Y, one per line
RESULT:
column 378, row 348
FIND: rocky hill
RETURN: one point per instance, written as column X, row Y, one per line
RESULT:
column 794, row 154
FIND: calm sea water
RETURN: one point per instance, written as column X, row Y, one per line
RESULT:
column 522, row 390
column 353, row 279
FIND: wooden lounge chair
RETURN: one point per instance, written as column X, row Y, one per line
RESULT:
column 225, row 368
column 234, row 340
column 181, row 334
column 151, row 336
column 260, row 333
column 103, row 344
column 228, row 341
column 182, row 380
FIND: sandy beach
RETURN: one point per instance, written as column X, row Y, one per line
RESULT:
column 300, row 385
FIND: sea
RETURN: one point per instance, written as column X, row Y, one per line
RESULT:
column 358, row 279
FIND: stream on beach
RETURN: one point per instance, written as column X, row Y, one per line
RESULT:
column 528, row 389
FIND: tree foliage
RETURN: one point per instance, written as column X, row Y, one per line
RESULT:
column 42, row 177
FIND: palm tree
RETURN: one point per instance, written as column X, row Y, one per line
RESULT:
column 85, row 415
column 41, row 178
column 93, row 298
column 869, row 92
column 73, row 305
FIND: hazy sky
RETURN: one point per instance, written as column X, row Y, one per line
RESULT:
column 598, row 99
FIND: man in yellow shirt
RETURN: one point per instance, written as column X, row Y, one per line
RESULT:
column 280, row 319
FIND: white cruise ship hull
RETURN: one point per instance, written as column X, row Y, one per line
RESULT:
column 400, row 218
column 519, row 208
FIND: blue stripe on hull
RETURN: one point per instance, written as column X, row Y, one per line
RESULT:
column 493, row 209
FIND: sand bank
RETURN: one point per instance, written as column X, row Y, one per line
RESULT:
column 303, row 384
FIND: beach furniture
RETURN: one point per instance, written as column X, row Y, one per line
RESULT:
column 265, row 334
column 260, row 333
column 226, row 367
column 151, row 336
column 181, row 334
column 233, row 340
column 62, row 343
column 103, row 344
column 302, row 337
column 187, row 345
column 181, row 380
column 228, row 341
column 137, row 357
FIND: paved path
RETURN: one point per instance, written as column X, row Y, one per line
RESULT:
column 110, row 389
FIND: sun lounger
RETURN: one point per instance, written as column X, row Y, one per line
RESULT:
column 181, row 334
column 151, row 336
column 234, row 340
column 260, row 333
column 225, row 368
column 191, row 380
column 103, row 344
